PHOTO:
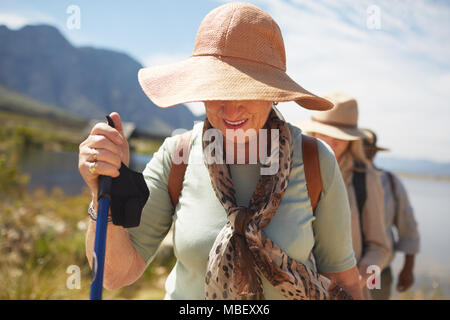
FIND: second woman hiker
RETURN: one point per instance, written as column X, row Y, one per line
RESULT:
column 338, row 127
column 399, row 216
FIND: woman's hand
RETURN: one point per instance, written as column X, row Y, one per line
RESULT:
column 363, row 280
column 103, row 151
column 363, row 276
column 406, row 276
column 348, row 280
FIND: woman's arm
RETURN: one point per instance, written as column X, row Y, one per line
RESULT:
column 123, row 264
column 376, row 247
column 408, row 233
column 405, row 222
column 128, row 251
column 108, row 147
column 333, row 248
column 348, row 280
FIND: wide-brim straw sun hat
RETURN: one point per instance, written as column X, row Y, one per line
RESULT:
column 371, row 139
column 341, row 122
column 239, row 54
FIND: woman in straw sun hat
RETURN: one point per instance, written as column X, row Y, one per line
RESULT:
column 240, row 232
column 338, row 127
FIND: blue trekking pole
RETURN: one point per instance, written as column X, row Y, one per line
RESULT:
column 104, row 198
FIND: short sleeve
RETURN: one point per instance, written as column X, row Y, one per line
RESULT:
column 156, row 218
column 333, row 248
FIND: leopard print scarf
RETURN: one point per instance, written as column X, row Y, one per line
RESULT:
column 242, row 253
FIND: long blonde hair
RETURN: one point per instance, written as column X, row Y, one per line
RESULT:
column 356, row 149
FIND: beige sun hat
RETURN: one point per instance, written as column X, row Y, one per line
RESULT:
column 371, row 140
column 341, row 122
column 239, row 54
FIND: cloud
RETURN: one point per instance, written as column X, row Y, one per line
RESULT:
column 197, row 108
column 12, row 20
column 17, row 21
column 400, row 74
column 161, row 58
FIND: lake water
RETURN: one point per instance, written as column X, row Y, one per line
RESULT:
column 60, row 169
column 431, row 202
column 430, row 199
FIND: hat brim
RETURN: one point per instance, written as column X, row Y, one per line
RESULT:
column 341, row 133
column 210, row 78
column 368, row 134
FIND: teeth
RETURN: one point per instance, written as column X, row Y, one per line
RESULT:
column 235, row 123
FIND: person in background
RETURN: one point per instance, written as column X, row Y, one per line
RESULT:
column 338, row 128
column 399, row 215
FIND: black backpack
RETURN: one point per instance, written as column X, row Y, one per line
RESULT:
column 359, row 183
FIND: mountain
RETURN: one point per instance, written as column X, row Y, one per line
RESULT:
column 414, row 166
column 13, row 102
column 38, row 62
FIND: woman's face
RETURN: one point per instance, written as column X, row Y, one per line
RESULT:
column 234, row 115
column 338, row 146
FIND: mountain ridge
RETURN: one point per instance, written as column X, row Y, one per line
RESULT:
column 412, row 166
column 39, row 62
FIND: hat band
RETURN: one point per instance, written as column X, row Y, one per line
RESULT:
column 221, row 56
column 335, row 124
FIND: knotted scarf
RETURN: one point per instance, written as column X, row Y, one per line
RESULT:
column 242, row 253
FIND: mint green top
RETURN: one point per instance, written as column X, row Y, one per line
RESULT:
column 199, row 216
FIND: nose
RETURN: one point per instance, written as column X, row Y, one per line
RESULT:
column 232, row 111
column 331, row 142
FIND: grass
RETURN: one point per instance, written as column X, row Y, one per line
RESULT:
column 38, row 133
column 48, row 134
column 42, row 233
column 41, row 236
column 144, row 146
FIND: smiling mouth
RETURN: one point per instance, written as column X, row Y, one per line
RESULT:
column 234, row 124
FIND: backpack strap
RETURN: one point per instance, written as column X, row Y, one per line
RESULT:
column 178, row 170
column 311, row 165
column 359, row 183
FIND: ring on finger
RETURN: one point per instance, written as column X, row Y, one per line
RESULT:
column 92, row 166
column 94, row 155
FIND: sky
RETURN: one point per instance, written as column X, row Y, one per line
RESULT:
column 393, row 56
